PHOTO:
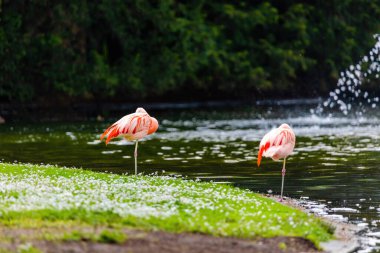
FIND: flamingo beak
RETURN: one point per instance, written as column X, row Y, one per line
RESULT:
column 259, row 156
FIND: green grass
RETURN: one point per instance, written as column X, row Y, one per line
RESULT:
column 282, row 246
column 33, row 196
column 111, row 236
column 105, row 236
column 28, row 248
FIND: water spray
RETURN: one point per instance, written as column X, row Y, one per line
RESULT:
column 349, row 96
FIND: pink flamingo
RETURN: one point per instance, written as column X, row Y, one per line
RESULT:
column 278, row 143
column 132, row 127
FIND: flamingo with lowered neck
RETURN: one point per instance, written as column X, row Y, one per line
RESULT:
column 277, row 144
column 132, row 127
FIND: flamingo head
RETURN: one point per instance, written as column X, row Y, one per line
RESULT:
column 140, row 110
column 153, row 126
column 285, row 126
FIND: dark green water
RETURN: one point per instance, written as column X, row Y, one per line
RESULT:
column 335, row 165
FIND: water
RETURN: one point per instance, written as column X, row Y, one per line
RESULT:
column 335, row 166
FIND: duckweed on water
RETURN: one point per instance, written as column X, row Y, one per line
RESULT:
column 49, row 193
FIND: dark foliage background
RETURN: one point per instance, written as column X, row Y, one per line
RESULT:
column 179, row 50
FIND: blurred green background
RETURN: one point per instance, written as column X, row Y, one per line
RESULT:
column 170, row 50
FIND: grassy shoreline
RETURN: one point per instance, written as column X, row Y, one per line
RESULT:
column 33, row 196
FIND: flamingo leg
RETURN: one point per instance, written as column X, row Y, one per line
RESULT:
column 135, row 154
column 283, row 178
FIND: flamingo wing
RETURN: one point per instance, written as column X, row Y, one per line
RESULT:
column 276, row 148
column 133, row 126
column 278, row 143
column 115, row 129
column 138, row 127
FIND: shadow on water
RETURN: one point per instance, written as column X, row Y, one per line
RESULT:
column 336, row 159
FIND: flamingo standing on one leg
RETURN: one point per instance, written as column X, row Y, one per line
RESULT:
column 278, row 143
column 132, row 127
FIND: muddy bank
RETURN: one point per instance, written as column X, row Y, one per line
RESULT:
column 159, row 242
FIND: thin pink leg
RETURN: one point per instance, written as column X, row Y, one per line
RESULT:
column 283, row 179
column 135, row 154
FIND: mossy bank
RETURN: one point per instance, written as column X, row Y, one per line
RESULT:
column 33, row 196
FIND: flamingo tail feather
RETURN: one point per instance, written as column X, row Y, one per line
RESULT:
column 104, row 134
column 110, row 132
column 114, row 132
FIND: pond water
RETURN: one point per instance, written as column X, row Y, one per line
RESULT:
column 335, row 166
